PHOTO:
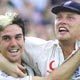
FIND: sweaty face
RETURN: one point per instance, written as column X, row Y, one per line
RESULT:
column 12, row 42
column 67, row 26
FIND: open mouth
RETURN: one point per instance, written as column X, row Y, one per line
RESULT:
column 13, row 50
column 63, row 29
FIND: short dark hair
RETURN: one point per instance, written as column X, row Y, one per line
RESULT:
column 12, row 18
column 18, row 20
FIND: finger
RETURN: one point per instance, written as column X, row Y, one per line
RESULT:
column 20, row 73
column 21, row 67
column 16, row 70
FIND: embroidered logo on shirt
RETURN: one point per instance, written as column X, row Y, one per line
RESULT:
column 51, row 66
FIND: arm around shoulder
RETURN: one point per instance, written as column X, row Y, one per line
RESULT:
column 67, row 69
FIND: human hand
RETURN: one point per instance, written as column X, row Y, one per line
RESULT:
column 12, row 69
column 20, row 69
column 16, row 70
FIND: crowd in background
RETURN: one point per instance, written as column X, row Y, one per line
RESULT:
column 36, row 12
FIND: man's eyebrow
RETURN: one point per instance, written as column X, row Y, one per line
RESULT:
column 5, row 36
column 19, row 34
column 15, row 35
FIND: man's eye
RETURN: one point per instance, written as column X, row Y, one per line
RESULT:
column 70, row 17
column 58, row 17
column 18, row 37
column 6, row 38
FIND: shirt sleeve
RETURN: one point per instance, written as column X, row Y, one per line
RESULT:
column 12, row 78
column 4, row 76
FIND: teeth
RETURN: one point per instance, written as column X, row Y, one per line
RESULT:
column 13, row 51
column 62, row 29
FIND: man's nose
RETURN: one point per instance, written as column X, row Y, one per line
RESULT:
column 13, row 42
column 63, row 20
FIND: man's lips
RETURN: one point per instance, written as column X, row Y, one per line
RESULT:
column 13, row 50
column 63, row 29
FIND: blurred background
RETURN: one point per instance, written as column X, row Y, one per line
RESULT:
column 37, row 13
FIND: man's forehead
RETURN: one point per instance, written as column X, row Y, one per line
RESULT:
column 11, row 31
column 68, row 13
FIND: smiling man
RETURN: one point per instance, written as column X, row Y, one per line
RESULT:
column 12, row 37
column 11, row 43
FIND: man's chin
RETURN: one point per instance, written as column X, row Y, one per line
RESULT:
column 14, row 60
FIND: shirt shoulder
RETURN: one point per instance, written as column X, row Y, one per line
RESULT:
column 36, row 46
column 39, row 41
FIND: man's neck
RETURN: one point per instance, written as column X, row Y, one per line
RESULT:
column 67, row 48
